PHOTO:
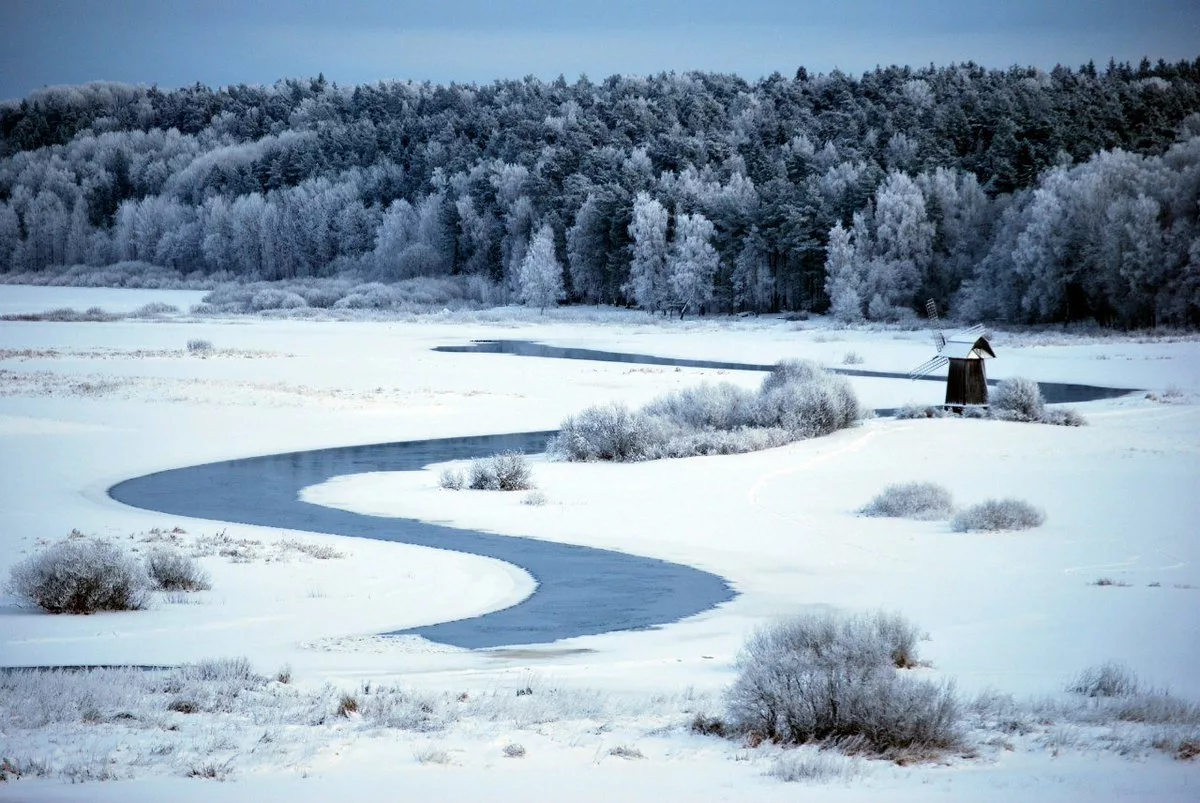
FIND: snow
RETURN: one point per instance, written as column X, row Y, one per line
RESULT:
column 85, row 405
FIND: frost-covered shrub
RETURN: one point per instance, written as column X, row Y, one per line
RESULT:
column 608, row 432
column 199, row 346
column 392, row 707
column 797, row 400
column 323, row 296
column 153, row 309
column 852, row 358
column 367, row 296
column 912, row 410
column 788, row 372
column 1064, row 418
column 998, row 514
column 1106, row 680
column 808, row 408
column 715, row 442
column 81, row 576
column 452, row 480
column 818, row 677
column 722, row 406
column 1019, row 399
column 912, row 500
column 276, row 298
column 171, row 570
column 505, row 471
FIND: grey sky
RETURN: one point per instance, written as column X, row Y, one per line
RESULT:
column 173, row 42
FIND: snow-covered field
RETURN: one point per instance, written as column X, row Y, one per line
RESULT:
column 85, row 405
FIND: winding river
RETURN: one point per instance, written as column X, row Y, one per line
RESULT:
column 580, row 590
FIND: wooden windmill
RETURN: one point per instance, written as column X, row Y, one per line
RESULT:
column 965, row 351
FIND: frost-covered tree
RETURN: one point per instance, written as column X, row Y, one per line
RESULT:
column 1133, row 258
column 540, row 277
column 246, row 215
column 691, row 262
column 902, row 246
column 77, row 234
column 46, row 225
column 648, row 282
column 843, row 279
column 518, row 227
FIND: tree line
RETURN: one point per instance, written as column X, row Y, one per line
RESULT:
column 1017, row 195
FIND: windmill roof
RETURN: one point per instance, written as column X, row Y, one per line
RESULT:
column 967, row 348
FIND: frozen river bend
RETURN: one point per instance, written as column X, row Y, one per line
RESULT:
column 581, row 590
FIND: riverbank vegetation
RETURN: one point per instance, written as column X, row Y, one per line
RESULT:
column 797, row 400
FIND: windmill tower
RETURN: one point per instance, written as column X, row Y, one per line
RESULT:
column 964, row 352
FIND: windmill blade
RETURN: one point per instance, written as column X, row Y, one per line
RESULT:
column 939, row 340
column 928, row 367
column 931, row 311
column 970, row 334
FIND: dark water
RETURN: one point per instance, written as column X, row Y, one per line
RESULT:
column 581, row 591
column 1054, row 392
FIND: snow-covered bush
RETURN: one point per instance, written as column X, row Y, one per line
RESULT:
column 452, row 480
column 788, row 372
column 276, row 298
column 535, row 498
column 171, row 570
column 608, row 432
column 715, row 441
column 154, row 309
column 911, row 500
column 912, row 410
column 1018, row 399
column 346, row 293
column 198, row 346
column 1106, row 680
column 81, row 576
column 808, row 407
column 723, row 406
column 505, row 471
column 1064, row 418
column 797, row 400
column 998, row 514
column 818, row 677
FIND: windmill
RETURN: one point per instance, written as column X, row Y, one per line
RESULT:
column 965, row 351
